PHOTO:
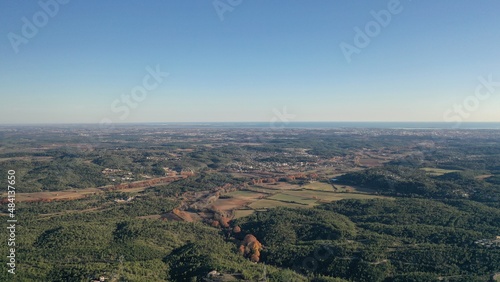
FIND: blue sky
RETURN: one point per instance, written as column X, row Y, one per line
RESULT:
column 262, row 56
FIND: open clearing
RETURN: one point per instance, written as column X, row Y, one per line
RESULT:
column 287, row 198
column 243, row 213
column 298, row 198
column 319, row 186
column 484, row 176
column 437, row 171
column 67, row 195
column 329, row 196
column 277, row 186
column 264, row 190
column 247, row 195
column 56, row 195
column 237, row 199
column 267, row 204
column 230, row 204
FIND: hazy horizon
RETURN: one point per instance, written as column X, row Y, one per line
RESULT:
column 279, row 125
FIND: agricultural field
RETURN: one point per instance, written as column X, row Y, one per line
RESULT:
column 278, row 186
column 318, row 186
column 287, row 198
column 242, row 194
column 330, row 196
column 268, row 204
column 230, row 204
column 236, row 200
column 261, row 198
column 242, row 213
column 266, row 190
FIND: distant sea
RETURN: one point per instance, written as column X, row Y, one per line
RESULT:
column 326, row 125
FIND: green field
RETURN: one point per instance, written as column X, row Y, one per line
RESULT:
column 304, row 198
column 293, row 199
column 265, row 203
column 311, row 195
column 318, row 186
column 330, row 196
column 437, row 171
column 264, row 190
column 242, row 213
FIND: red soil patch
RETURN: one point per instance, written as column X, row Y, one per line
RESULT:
column 230, row 204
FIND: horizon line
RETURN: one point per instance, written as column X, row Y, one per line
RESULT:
column 221, row 122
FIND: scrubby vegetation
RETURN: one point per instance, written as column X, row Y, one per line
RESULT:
column 423, row 207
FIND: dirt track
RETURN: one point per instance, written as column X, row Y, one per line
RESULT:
column 68, row 195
